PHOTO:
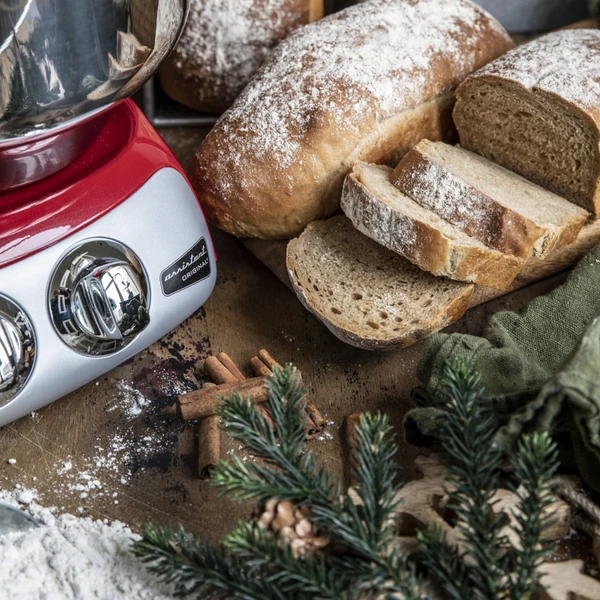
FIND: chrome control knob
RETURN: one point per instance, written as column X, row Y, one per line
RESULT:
column 98, row 297
column 17, row 349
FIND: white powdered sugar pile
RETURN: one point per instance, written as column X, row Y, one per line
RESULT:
column 70, row 558
column 565, row 63
column 348, row 72
column 226, row 41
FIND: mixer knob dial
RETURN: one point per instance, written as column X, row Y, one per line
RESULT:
column 17, row 349
column 99, row 298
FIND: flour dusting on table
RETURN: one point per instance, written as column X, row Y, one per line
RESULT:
column 71, row 558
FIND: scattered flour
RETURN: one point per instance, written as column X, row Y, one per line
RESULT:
column 327, row 434
column 70, row 558
column 130, row 444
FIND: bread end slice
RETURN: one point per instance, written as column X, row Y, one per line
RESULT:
column 380, row 211
column 533, row 132
column 367, row 295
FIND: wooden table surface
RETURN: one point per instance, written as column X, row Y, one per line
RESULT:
column 105, row 451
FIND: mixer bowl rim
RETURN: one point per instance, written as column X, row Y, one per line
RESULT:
column 34, row 136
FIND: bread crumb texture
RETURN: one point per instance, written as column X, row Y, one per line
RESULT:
column 367, row 295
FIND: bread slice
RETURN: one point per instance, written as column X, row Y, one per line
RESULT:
column 368, row 296
column 381, row 211
column 486, row 201
column 536, row 111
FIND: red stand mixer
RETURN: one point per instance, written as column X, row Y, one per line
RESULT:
column 103, row 245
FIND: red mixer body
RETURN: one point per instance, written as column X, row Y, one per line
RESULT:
column 103, row 250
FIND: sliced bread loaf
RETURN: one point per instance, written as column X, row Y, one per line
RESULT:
column 366, row 295
column 378, row 209
column 536, row 111
column 486, row 201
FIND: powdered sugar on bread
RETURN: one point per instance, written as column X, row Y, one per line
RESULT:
column 564, row 63
column 378, row 64
column 226, row 41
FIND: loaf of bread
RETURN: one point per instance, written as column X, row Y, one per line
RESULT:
column 367, row 83
column 223, row 45
column 366, row 295
column 379, row 210
column 496, row 206
column 536, row 111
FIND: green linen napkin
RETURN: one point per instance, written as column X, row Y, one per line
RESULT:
column 540, row 369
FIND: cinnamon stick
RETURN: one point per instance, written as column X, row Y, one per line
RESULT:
column 259, row 368
column 203, row 403
column 268, row 359
column 209, row 445
column 315, row 414
column 230, row 366
column 351, row 423
column 310, row 429
column 218, row 372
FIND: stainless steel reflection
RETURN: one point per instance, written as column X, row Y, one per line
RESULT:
column 17, row 349
column 63, row 59
column 99, row 298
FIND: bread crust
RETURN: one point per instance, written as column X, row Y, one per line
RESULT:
column 446, row 315
column 271, row 186
column 542, row 70
column 209, row 67
column 424, row 245
column 500, row 228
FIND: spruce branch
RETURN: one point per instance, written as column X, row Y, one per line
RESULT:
column 297, row 476
column 259, row 551
column 488, row 568
column 364, row 559
column 534, row 464
column 197, row 567
column 364, row 529
column 444, row 564
column 466, row 436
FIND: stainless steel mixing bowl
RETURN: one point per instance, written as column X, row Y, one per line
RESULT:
column 64, row 61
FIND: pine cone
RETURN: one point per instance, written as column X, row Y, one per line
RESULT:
column 293, row 525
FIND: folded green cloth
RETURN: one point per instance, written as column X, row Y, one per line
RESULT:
column 540, row 369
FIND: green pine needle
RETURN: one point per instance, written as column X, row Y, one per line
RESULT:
column 197, row 567
column 534, row 464
column 489, row 568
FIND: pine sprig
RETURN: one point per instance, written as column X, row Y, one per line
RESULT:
column 259, row 551
column 444, row 564
column 534, row 466
column 363, row 529
column 488, row 568
column 297, row 477
column 467, row 436
column 199, row 568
